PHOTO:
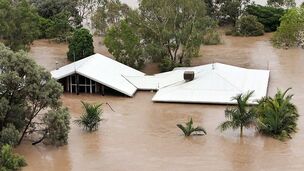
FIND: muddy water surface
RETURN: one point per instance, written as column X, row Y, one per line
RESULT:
column 142, row 135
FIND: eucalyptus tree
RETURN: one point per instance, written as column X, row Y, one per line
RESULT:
column 240, row 116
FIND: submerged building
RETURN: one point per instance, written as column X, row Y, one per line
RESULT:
column 212, row 83
column 96, row 74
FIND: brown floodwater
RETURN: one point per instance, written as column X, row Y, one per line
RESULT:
column 142, row 135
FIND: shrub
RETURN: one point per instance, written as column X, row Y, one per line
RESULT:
column 91, row 118
column 249, row 26
column 267, row 15
column 212, row 37
column 80, row 45
column 189, row 128
column 10, row 161
column 9, row 135
column 277, row 116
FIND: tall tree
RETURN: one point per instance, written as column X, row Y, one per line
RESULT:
column 291, row 30
column 109, row 13
column 18, row 24
column 124, row 44
column 282, row 3
column 239, row 116
column 26, row 90
column 169, row 31
column 229, row 11
column 80, row 45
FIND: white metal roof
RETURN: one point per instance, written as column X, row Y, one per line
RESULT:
column 213, row 83
column 103, row 70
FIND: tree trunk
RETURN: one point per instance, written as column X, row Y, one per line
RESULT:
column 241, row 133
column 24, row 131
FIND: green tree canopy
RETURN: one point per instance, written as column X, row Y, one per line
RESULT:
column 109, row 13
column 282, row 3
column 249, row 26
column 291, row 31
column 267, row 15
column 168, row 31
column 26, row 89
column 80, row 45
column 123, row 43
column 18, row 24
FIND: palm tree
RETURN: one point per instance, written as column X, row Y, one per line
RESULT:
column 239, row 116
column 90, row 119
column 277, row 116
column 189, row 129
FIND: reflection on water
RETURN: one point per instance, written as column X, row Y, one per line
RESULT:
column 142, row 135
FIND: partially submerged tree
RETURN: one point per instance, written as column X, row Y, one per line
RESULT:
column 125, row 45
column 26, row 89
column 267, row 15
column 277, row 116
column 91, row 117
column 291, row 31
column 249, row 26
column 189, row 128
column 169, row 31
column 240, row 116
column 80, row 45
column 18, row 24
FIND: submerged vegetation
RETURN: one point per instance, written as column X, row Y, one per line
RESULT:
column 9, row 160
column 241, row 116
column 189, row 128
column 277, row 116
column 91, row 117
column 291, row 31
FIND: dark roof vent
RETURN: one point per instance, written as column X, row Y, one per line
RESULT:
column 188, row 75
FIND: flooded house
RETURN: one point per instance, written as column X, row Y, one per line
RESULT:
column 214, row 83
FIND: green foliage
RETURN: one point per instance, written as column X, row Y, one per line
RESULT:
column 26, row 89
column 165, row 30
column 57, row 123
column 282, row 3
column 51, row 8
column 229, row 11
column 249, row 26
column 91, row 118
column 9, row 135
column 80, row 45
column 10, row 161
column 212, row 38
column 239, row 116
column 124, row 44
column 18, row 24
column 277, row 116
column 291, row 31
column 109, row 13
column 189, row 129
column 267, row 15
